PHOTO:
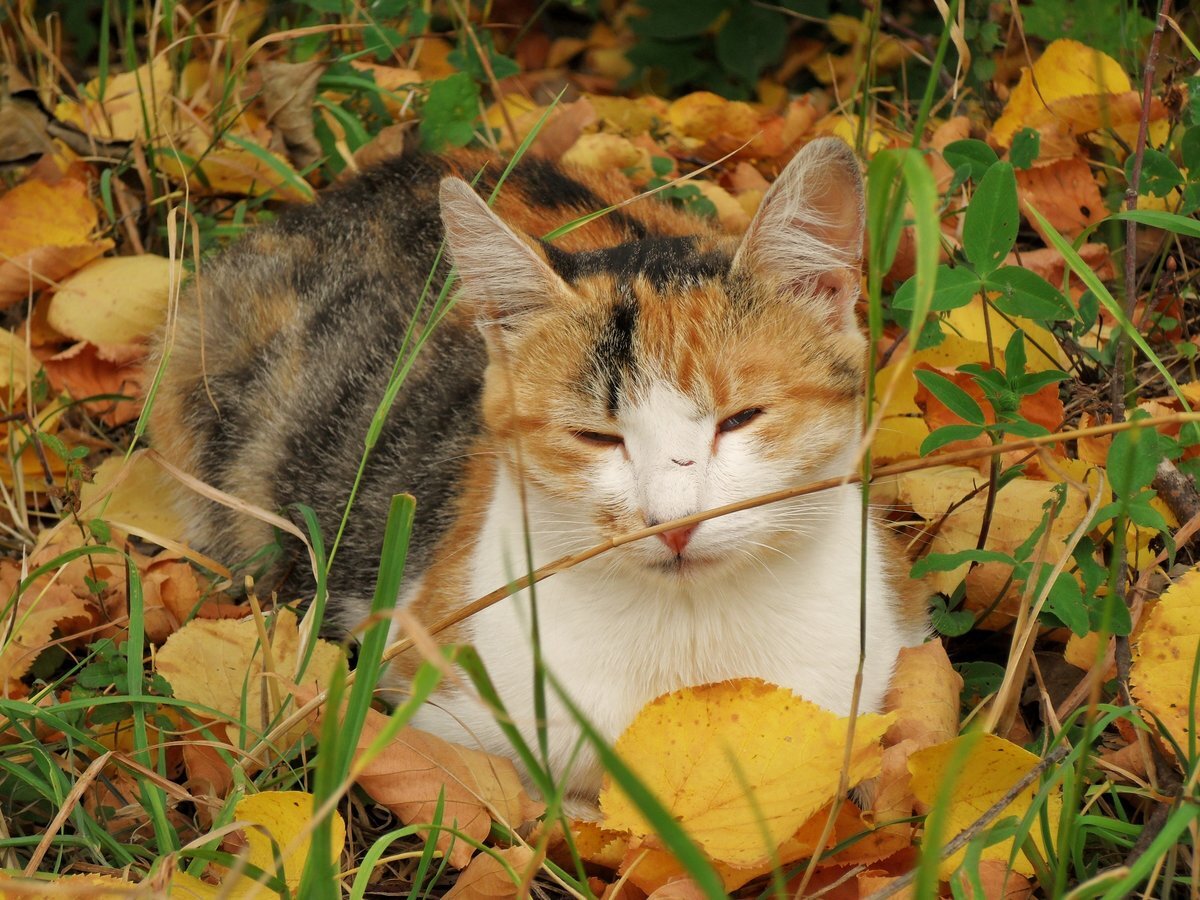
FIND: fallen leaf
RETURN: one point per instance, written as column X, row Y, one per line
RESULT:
column 1065, row 192
column 608, row 152
column 997, row 881
column 990, row 768
column 140, row 497
column 126, row 106
column 90, row 886
column 29, row 624
column 410, row 774
column 86, row 371
column 924, row 695
column 22, row 129
column 218, row 665
column 117, row 300
column 288, row 93
column 788, row 752
column 487, row 876
column 1066, row 71
column 1164, row 657
column 287, row 818
column 37, row 250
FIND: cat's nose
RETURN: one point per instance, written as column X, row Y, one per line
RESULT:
column 677, row 538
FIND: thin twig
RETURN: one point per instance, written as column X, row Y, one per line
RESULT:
column 965, row 836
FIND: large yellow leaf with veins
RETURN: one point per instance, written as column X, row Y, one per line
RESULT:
column 1164, row 657
column 741, row 765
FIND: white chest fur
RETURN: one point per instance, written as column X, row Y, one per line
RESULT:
column 615, row 638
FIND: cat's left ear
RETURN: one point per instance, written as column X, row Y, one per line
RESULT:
column 503, row 274
column 807, row 235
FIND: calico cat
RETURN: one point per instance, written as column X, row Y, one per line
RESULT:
column 638, row 369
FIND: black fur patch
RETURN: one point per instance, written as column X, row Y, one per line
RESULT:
column 664, row 261
column 614, row 357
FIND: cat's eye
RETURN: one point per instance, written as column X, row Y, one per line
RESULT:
column 600, row 438
column 737, row 420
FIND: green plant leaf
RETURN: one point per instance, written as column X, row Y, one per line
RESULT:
column 948, row 434
column 448, row 116
column 976, row 155
column 1026, row 145
column 991, row 221
column 954, row 287
column 752, row 37
column 677, row 18
column 950, row 622
column 1160, row 176
column 951, row 396
column 948, row 562
column 1132, row 461
column 1158, row 219
column 1025, row 293
column 1189, row 152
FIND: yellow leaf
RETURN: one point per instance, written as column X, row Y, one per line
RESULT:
column 1164, row 657
column 218, row 664
column 991, row 767
column 1067, row 69
column 90, row 886
column 1040, row 345
column 696, row 748
column 119, row 300
column 608, row 152
column 132, row 104
column 137, row 500
column 17, row 366
column 37, row 249
column 287, row 817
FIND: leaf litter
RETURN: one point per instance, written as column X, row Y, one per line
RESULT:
column 82, row 345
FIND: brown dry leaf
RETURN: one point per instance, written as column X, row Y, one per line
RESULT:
column 288, row 91
column 989, row 769
column 408, row 776
column 26, row 631
column 1065, row 192
column 22, row 129
column 1164, row 657
column 118, row 300
column 84, row 370
column 36, row 249
column 488, row 877
column 924, row 695
column 998, row 882
column 233, row 168
column 789, row 752
column 134, row 105
column 218, row 665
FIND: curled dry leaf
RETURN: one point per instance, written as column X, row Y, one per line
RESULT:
column 1164, row 658
column 417, row 767
column 118, row 300
column 219, row 665
column 490, row 876
column 37, row 250
column 989, row 770
column 788, row 753
column 924, row 695
column 288, row 91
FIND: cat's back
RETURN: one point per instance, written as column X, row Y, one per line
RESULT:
column 284, row 345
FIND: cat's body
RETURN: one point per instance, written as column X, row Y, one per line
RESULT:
column 641, row 368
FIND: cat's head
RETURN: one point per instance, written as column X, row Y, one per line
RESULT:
column 664, row 377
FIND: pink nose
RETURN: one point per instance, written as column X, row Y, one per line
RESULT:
column 677, row 538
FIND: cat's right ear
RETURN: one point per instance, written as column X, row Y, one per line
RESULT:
column 502, row 275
